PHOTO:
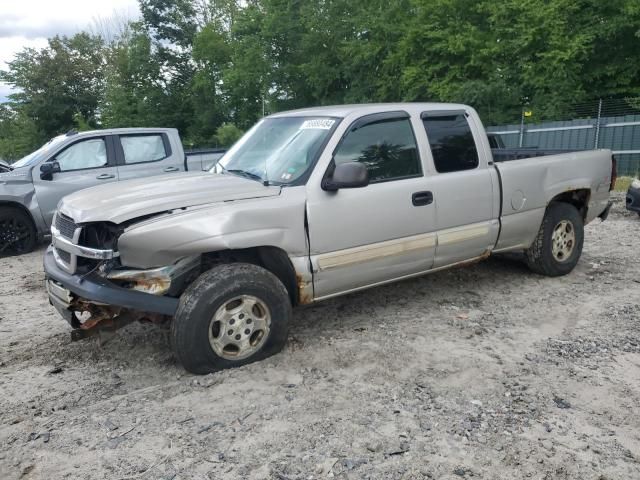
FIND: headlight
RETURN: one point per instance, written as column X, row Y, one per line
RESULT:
column 635, row 183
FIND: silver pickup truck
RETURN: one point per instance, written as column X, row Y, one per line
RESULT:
column 309, row 205
column 31, row 188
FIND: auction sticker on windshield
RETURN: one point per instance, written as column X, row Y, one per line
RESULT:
column 322, row 124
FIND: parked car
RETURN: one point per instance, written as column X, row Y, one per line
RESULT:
column 31, row 188
column 203, row 159
column 633, row 196
column 309, row 205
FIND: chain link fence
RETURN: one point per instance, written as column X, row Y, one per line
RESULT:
column 605, row 123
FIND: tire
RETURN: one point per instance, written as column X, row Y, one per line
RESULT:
column 196, row 334
column 17, row 232
column 542, row 257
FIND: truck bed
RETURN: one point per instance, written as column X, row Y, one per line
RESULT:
column 507, row 154
column 529, row 184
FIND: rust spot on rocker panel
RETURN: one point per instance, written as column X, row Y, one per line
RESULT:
column 305, row 291
column 484, row 256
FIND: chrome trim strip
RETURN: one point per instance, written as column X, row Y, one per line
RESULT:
column 397, row 279
column 58, row 241
column 461, row 234
column 365, row 253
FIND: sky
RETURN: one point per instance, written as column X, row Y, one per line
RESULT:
column 28, row 23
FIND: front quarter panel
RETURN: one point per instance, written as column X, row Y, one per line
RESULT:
column 16, row 187
column 274, row 221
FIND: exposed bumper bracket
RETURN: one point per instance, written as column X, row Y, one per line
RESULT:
column 98, row 289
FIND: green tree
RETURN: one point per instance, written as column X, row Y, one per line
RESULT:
column 212, row 55
column 18, row 134
column 134, row 93
column 57, row 82
column 199, row 64
column 227, row 134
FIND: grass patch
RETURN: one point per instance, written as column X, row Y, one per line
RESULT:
column 622, row 184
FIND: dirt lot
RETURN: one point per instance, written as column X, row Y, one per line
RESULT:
column 483, row 372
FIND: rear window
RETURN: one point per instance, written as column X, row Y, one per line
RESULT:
column 451, row 142
column 143, row 148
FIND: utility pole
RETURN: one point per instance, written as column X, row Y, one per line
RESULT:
column 595, row 144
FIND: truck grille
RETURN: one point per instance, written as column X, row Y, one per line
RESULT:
column 65, row 225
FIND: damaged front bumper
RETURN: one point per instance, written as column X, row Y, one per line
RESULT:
column 101, row 297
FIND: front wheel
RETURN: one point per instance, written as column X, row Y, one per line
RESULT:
column 17, row 233
column 558, row 245
column 231, row 315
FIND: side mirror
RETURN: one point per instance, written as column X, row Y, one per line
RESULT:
column 48, row 169
column 347, row 175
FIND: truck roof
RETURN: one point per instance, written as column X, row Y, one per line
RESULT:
column 366, row 108
column 115, row 131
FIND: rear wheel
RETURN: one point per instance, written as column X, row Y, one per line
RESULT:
column 558, row 245
column 17, row 233
column 231, row 315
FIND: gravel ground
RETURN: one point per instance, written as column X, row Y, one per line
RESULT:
column 484, row 372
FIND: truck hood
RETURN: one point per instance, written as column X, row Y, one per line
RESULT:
column 17, row 175
column 123, row 201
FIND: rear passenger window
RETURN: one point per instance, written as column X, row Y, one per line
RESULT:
column 387, row 147
column 143, row 148
column 451, row 142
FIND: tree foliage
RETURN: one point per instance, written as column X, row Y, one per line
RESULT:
column 213, row 67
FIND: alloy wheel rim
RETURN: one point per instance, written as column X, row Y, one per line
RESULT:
column 563, row 241
column 239, row 327
column 14, row 235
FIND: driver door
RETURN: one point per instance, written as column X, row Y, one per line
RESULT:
column 85, row 163
column 363, row 236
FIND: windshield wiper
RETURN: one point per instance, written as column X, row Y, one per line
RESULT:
column 249, row 175
column 244, row 173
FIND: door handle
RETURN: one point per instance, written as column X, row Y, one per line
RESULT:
column 421, row 198
column 105, row 176
column 172, row 169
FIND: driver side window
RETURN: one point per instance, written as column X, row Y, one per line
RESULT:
column 387, row 147
column 91, row 153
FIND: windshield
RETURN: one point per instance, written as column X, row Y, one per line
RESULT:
column 33, row 156
column 278, row 150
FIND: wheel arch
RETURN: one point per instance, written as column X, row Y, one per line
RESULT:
column 19, row 206
column 578, row 197
column 273, row 259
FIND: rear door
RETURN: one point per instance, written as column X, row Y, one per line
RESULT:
column 145, row 154
column 84, row 163
column 384, row 231
column 465, row 189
